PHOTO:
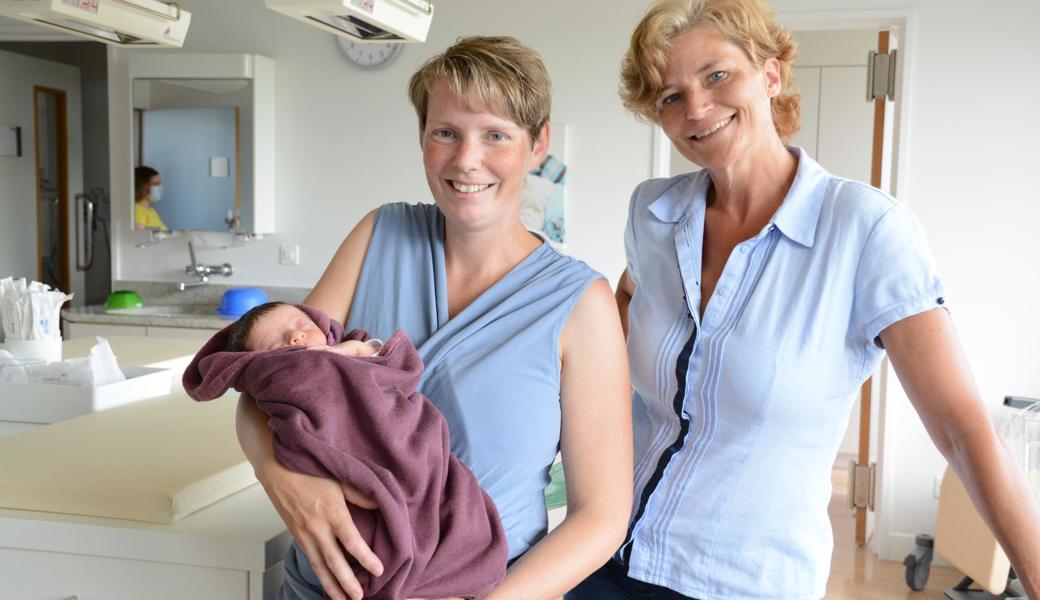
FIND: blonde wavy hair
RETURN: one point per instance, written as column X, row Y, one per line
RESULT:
column 500, row 71
column 749, row 24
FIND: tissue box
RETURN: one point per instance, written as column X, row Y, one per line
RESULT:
column 49, row 403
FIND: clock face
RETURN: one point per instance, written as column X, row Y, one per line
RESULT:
column 369, row 55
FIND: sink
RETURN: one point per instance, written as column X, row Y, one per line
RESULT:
column 169, row 310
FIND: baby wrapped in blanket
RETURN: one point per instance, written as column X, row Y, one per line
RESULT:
column 343, row 409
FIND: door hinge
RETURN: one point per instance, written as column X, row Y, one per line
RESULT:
column 881, row 75
column 862, row 479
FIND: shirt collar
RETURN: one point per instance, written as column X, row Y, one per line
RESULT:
column 680, row 195
column 799, row 213
column 796, row 218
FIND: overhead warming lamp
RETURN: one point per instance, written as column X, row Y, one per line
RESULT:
column 126, row 23
column 363, row 20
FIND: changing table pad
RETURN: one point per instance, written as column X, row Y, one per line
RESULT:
column 156, row 460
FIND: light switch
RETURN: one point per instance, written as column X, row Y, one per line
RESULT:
column 218, row 166
column 10, row 140
column 289, row 254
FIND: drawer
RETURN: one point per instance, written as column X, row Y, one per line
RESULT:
column 79, row 330
column 13, row 427
column 181, row 332
column 34, row 575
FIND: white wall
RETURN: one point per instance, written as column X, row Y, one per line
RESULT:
column 18, row 75
column 348, row 140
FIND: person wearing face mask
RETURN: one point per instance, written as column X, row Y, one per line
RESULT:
column 147, row 191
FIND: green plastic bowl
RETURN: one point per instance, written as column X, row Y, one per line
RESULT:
column 124, row 299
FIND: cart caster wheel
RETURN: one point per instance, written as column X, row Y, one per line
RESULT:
column 918, row 562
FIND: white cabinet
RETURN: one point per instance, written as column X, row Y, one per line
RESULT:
column 837, row 121
column 32, row 574
column 75, row 330
column 230, row 550
column 79, row 330
column 155, row 331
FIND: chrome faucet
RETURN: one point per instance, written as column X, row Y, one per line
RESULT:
column 203, row 271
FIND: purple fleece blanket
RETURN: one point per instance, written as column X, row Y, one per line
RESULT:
column 361, row 421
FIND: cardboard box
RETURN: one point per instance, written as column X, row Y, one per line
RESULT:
column 49, row 403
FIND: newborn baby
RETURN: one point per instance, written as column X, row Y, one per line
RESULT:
column 347, row 408
column 279, row 324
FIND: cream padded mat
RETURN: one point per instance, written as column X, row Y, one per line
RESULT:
column 156, row 460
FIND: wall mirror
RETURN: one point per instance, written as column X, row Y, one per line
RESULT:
column 205, row 124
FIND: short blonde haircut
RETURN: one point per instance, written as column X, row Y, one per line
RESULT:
column 500, row 72
column 747, row 23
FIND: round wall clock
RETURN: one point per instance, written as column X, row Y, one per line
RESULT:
column 369, row 55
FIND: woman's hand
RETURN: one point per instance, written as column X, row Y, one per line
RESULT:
column 315, row 512
column 314, row 509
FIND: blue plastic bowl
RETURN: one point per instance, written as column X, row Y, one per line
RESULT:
column 237, row 301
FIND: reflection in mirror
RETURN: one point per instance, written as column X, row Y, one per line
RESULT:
column 191, row 133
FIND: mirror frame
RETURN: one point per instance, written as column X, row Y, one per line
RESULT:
column 260, row 70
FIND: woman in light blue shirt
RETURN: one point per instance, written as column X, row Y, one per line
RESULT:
column 759, row 294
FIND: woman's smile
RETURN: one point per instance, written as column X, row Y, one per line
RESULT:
column 708, row 132
column 469, row 188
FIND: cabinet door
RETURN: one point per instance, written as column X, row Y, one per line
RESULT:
column 180, row 332
column 33, row 575
column 80, row 330
column 807, row 79
column 13, row 427
column 846, row 134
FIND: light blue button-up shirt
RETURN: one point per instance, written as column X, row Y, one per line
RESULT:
column 739, row 412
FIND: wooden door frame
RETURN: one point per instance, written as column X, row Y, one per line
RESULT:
column 62, row 135
column 866, row 395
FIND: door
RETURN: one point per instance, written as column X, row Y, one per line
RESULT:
column 52, row 187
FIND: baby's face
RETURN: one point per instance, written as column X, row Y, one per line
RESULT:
column 285, row 325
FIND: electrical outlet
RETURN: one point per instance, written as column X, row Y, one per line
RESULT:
column 289, row 254
column 936, row 486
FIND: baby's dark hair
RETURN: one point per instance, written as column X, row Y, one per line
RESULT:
column 239, row 332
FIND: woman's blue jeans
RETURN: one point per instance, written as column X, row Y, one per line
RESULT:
column 611, row 582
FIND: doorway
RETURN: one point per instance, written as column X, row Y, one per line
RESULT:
column 50, row 126
column 80, row 69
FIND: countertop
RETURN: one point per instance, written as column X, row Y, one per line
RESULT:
column 199, row 305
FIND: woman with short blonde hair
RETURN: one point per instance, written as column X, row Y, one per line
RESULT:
column 505, row 325
column 758, row 296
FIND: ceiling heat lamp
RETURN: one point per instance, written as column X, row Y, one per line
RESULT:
column 363, row 20
column 125, row 23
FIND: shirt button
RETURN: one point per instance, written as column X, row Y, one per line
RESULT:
column 723, row 291
column 743, row 249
